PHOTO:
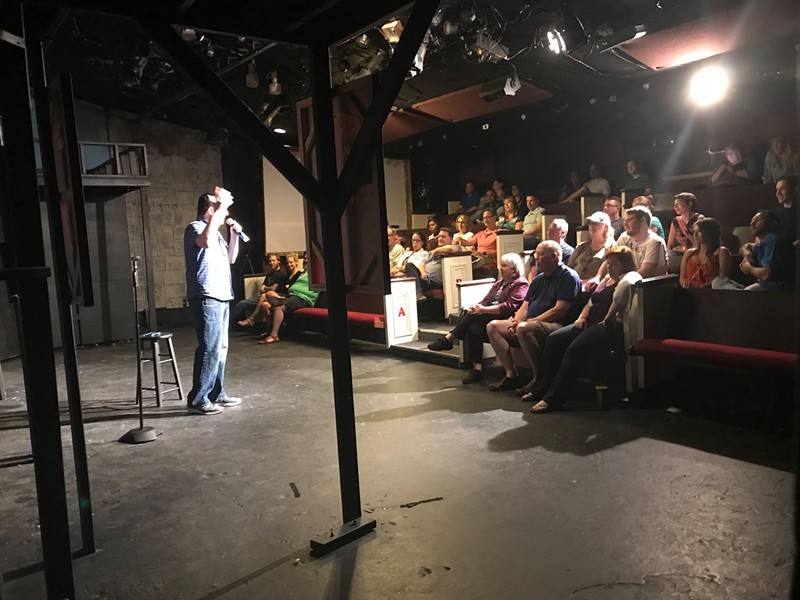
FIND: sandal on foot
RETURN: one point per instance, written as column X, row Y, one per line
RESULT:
column 506, row 383
column 270, row 339
column 540, row 407
column 248, row 322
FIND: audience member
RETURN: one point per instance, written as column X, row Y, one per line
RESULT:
column 648, row 249
column 596, row 185
column 770, row 261
column 680, row 230
column 488, row 201
column 589, row 255
column 469, row 199
column 531, row 225
column 613, row 208
column 433, row 228
column 781, row 160
column 638, row 183
column 708, row 258
column 510, row 217
column 557, row 232
column 395, row 249
column 549, row 298
column 274, row 282
column 416, row 256
column 595, row 333
column 519, row 200
column 503, row 300
column 297, row 296
column 485, row 247
column 572, row 185
column 733, row 170
column 429, row 273
column 786, row 190
column 499, row 189
column 655, row 222
column 463, row 234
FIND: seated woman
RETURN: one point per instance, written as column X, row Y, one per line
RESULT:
column 679, row 238
column 504, row 299
column 707, row 259
column 589, row 255
column 781, row 161
column 298, row 295
column 463, row 234
column 275, row 281
column 510, row 216
column 596, row 331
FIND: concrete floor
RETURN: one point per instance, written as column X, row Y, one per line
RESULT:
column 585, row 505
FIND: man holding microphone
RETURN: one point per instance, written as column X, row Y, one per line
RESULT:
column 209, row 292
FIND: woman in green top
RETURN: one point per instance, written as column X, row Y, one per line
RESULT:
column 298, row 296
column 510, row 217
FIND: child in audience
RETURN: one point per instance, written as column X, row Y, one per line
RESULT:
column 707, row 259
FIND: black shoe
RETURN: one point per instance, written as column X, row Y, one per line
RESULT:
column 473, row 376
column 441, row 344
column 505, row 384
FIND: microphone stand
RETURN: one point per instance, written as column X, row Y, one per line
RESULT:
column 141, row 434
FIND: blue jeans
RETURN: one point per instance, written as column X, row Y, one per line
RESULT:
column 210, row 318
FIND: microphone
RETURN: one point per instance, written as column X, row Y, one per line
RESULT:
column 242, row 235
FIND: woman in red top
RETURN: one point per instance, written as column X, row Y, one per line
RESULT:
column 707, row 259
column 679, row 238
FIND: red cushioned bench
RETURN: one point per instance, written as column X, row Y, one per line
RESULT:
column 725, row 328
column 359, row 319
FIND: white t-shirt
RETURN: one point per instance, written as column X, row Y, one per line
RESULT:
column 652, row 250
column 598, row 186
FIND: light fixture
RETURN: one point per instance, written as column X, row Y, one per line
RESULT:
column 555, row 42
column 279, row 130
column 275, row 88
column 362, row 41
column 252, row 80
column 449, row 28
column 188, row 34
column 392, row 30
column 620, row 36
column 210, row 51
column 708, row 86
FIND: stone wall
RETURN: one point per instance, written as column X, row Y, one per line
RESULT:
column 182, row 166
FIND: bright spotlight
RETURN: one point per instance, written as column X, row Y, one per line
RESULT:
column 708, row 86
column 555, row 42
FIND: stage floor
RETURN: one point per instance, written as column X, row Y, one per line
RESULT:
column 585, row 504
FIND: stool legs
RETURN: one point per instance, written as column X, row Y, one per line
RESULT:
column 155, row 356
column 175, row 369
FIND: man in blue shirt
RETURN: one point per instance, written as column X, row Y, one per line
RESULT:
column 550, row 296
column 469, row 200
column 209, row 292
column 770, row 261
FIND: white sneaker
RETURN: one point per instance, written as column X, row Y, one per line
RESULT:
column 229, row 401
column 205, row 409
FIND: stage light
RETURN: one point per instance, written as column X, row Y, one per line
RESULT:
column 274, row 87
column 708, row 86
column 279, row 130
column 555, row 42
column 392, row 31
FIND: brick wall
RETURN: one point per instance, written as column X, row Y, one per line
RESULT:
column 182, row 166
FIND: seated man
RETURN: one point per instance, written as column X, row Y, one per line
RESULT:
column 488, row 201
column 429, row 273
column 786, row 189
column 655, row 222
column 484, row 247
column 770, row 261
column 469, row 200
column 596, row 185
column 557, row 232
column 549, row 298
column 613, row 208
column 649, row 250
column 275, row 281
column 531, row 225
column 638, row 183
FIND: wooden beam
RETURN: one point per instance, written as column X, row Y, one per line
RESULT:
column 193, row 67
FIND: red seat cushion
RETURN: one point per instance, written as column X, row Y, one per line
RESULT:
column 718, row 354
column 353, row 317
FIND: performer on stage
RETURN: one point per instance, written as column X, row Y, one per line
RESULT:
column 209, row 292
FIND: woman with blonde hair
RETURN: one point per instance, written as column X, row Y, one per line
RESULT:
column 780, row 161
column 504, row 298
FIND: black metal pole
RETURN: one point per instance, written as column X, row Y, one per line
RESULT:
column 63, row 294
column 36, row 342
column 338, row 332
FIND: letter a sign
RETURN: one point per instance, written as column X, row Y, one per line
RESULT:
column 401, row 312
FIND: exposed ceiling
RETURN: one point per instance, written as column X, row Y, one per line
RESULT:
column 474, row 49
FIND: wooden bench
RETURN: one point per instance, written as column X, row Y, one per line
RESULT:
column 725, row 328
